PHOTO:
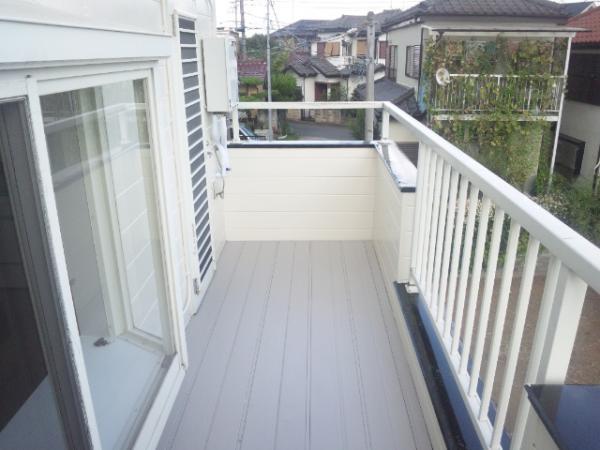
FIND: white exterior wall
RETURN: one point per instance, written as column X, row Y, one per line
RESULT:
column 581, row 120
column 403, row 37
column 74, row 43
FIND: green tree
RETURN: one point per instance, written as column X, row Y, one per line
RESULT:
column 284, row 89
column 256, row 47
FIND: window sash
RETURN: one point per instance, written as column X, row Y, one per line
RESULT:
column 413, row 61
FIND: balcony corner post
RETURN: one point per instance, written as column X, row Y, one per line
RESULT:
column 555, row 334
column 385, row 124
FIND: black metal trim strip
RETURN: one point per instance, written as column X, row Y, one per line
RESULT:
column 292, row 144
column 452, row 415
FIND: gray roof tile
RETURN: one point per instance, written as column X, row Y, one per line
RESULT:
column 506, row 8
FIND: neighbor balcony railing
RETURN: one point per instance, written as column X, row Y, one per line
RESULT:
column 464, row 216
column 475, row 94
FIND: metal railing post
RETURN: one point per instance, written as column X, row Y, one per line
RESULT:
column 385, row 125
column 556, row 330
column 235, row 124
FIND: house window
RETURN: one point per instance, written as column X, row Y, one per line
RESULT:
column 584, row 78
column 569, row 156
column 361, row 47
column 382, row 49
column 321, row 48
column 331, row 49
column 392, row 62
column 413, row 61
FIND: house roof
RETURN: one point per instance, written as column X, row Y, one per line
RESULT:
column 342, row 23
column 252, row 68
column 302, row 28
column 311, row 66
column 590, row 20
column 505, row 8
column 309, row 27
column 390, row 91
column 573, row 9
column 360, row 68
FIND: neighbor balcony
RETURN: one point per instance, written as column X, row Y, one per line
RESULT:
column 362, row 302
column 533, row 97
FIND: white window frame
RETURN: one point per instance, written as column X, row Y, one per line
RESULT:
column 30, row 85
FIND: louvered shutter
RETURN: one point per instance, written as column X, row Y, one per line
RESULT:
column 195, row 142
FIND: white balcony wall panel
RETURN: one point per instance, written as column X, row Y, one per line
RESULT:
column 299, row 194
column 392, row 226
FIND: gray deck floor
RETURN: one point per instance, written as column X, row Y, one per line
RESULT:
column 295, row 347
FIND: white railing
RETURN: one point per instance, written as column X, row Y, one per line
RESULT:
column 475, row 94
column 456, row 200
column 465, row 218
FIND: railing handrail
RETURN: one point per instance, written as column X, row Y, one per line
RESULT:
column 504, row 75
column 310, row 105
column 578, row 253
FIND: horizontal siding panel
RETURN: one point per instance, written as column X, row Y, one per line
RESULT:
column 300, row 185
column 299, row 202
column 295, row 220
column 302, row 234
column 271, row 153
column 307, row 167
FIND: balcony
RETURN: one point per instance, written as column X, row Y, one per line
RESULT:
column 363, row 302
column 534, row 97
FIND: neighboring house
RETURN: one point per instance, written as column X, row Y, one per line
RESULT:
column 474, row 22
column 341, row 41
column 488, row 50
column 251, row 75
column 320, row 80
column 578, row 155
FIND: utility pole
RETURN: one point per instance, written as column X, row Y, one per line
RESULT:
column 243, row 27
column 235, row 12
column 269, row 99
column 370, row 113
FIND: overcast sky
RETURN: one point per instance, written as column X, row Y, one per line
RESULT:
column 288, row 11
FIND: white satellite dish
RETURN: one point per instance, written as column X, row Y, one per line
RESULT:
column 442, row 76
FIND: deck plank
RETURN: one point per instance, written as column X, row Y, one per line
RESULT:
column 199, row 332
column 202, row 400
column 355, row 423
column 325, row 425
column 413, row 408
column 292, row 419
column 235, row 389
column 295, row 347
column 258, row 425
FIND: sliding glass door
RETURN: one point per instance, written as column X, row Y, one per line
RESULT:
column 29, row 412
column 102, row 172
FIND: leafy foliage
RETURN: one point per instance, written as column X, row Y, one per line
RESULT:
column 251, row 81
column 256, row 47
column 496, row 135
column 337, row 93
column 283, row 88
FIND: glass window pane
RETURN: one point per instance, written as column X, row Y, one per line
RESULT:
column 100, row 155
column 26, row 393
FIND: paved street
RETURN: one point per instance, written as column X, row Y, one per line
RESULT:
column 320, row 131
